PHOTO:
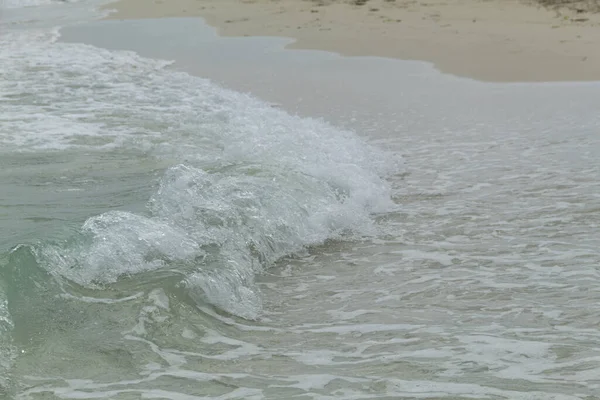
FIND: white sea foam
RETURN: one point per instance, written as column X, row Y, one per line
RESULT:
column 9, row 4
column 7, row 349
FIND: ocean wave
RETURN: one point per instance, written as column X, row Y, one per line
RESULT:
column 248, row 184
column 217, row 229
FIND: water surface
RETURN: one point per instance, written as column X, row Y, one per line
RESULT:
column 164, row 237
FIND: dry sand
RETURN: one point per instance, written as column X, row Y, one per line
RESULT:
column 493, row 40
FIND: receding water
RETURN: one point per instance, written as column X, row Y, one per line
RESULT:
column 162, row 237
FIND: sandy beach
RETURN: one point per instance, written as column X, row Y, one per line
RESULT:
column 499, row 41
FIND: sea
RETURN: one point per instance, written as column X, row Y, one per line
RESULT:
column 163, row 236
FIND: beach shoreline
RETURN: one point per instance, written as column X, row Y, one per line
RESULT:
column 494, row 41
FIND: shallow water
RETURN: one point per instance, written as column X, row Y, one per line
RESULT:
column 163, row 237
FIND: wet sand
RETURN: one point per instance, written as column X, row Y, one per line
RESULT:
column 499, row 41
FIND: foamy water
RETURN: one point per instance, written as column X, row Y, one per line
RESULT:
column 166, row 238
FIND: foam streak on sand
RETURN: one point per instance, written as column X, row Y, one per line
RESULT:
column 486, row 40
